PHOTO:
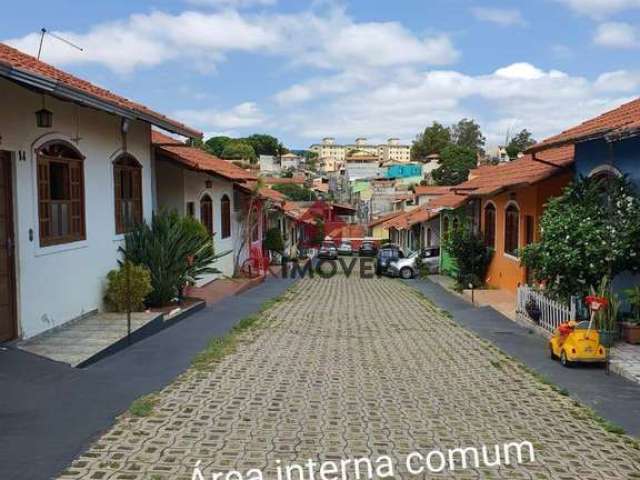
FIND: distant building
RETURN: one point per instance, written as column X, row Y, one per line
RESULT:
column 290, row 161
column 332, row 155
column 361, row 164
column 269, row 164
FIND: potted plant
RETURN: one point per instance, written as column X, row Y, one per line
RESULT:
column 631, row 327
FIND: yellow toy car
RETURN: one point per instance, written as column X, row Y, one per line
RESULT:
column 577, row 342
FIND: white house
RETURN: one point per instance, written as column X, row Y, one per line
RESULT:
column 193, row 182
column 290, row 161
column 75, row 174
column 269, row 164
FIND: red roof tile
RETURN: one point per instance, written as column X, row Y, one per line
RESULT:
column 420, row 190
column 620, row 120
column 16, row 60
column 348, row 231
column 411, row 217
column 489, row 180
column 281, row 181
column 385, row 217
column 197, row 159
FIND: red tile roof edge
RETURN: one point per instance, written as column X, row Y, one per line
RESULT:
column 15, row 60
column 622, row 119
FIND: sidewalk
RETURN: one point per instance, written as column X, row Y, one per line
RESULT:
column 51, row 412
column 613, row 397
column 624, row 359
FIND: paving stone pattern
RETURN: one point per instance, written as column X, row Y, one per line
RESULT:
column 349, row 368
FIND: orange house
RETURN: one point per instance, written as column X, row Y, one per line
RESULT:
column 510, row 221
column 507, row 202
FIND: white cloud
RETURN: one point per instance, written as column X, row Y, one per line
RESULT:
column 513, row 97
column 619, row 81
column 502, row 16
column 331, row 40
column 244, row 115
column 616, row 35
column 231, row 3
column 601, row 8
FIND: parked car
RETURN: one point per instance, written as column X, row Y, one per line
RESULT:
column 388, row 253
column 345, row 248
column 409, row 267
column 430, row 257
column 368, row 249
column 328, row 251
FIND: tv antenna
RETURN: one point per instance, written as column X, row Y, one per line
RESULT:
column 44, row 31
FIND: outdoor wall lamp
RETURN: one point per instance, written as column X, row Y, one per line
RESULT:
column 124, row 126
column 44, row 117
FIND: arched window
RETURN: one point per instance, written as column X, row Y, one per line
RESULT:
column 445, row 227
column 225, row 209
column 127, row 187
column 511, row 230
column 206, row 213
column 61, row 207
column 490, row 225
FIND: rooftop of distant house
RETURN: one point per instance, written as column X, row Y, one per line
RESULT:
column 197, row 159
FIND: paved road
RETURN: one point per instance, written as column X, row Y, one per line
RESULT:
column 50, row 412
column 351, row 368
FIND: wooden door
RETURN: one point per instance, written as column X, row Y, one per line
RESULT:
column 8, row 328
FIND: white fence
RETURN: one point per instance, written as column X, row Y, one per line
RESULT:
column 552, row 313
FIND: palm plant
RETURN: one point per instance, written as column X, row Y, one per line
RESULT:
column 176, row 250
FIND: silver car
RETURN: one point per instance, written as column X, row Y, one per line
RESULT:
column 409, row 267
column 345, row 248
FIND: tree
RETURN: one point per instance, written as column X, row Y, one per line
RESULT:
column 471, row 255
column 432, row 140
column 455, row 163
column 264, row 144
column 239, row 150
column 215, row 145
column 466, row 133
column 520, row 143
column 590, row 232
column 294, row 192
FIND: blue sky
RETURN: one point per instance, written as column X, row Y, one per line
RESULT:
column 302, row 70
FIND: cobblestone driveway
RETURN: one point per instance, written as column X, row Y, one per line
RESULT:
column 348, row 368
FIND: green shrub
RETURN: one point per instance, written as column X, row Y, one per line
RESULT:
column 589, row 232
column 123, row 292
column 471, row 255
column 273, row 240
column 176, row 250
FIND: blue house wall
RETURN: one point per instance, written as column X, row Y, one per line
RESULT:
column 403, row 171
column 625, row 157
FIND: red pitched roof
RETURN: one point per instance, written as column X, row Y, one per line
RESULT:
column 348, row 231
column 420, row 190
column 197, row 159
column 623, row 119
column 14, row 65
column 411, row 217
column 489, row 180
column 281, row 181
column 384, row 218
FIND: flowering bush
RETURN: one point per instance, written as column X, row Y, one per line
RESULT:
column 590, row 232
